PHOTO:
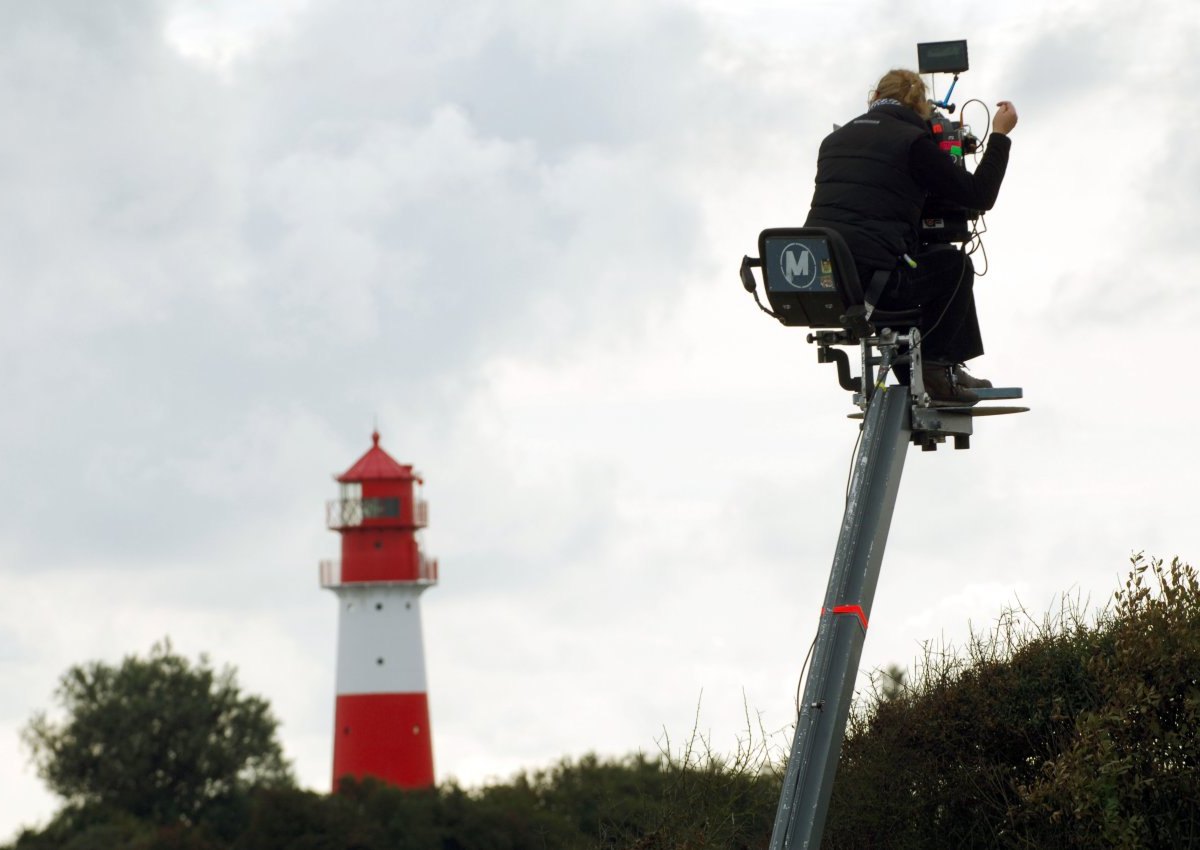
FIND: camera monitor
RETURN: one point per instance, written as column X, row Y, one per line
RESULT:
column 942, row 57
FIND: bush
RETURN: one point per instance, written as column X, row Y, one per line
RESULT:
column 1130, row 776
column 1059, row 733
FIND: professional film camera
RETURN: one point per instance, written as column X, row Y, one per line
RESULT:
column 941, row 220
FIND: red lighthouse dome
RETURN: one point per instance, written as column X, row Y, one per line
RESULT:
column 382, row 710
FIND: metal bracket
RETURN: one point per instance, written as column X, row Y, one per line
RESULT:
column 879, row 355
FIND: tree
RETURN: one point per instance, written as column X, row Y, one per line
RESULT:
column 160, row 738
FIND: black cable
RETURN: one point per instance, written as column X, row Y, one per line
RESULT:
column 758, row 301
column 849, row 478
column 958, row 285
column 770, row 313
column 975, row 232
column 799, row 684
column 850, row 474
column 803, row 667
column 977, row 241
column 977, row 238
column 987, row 124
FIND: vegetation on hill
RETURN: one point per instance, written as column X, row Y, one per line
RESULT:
column 1066, row 731
column 1063, row 732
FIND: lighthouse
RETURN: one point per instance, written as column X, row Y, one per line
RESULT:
column 381, row 719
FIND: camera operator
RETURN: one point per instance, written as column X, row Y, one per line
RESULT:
column 873, row 177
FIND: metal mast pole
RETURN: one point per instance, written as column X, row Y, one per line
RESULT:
column 808, row 783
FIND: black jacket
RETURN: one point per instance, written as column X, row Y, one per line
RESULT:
column 874, row 174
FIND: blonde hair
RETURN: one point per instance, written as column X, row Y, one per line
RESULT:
column 906, row 87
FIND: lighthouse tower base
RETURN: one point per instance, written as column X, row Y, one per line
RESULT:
column 382, row 713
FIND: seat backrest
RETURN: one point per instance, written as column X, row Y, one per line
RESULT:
column 810, row 276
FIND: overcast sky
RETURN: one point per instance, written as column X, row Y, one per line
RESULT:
column 235, row 236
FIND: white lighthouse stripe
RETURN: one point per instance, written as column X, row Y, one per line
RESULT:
column 380, row 650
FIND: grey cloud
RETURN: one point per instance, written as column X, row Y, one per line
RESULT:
column 185, row 253
column 1075, row 56
column 564, row 77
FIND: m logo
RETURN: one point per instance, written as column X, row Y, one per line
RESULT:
column 798, row 265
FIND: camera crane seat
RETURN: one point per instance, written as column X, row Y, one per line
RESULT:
column 810, row 281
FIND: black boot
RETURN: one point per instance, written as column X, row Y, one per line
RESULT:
column 942, row 389
column 963, row 379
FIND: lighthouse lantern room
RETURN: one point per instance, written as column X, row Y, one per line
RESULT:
column 381, row 724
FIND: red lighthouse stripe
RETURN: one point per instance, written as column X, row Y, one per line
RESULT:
column 385, row 736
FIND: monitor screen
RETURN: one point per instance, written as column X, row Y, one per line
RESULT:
column 942, row 57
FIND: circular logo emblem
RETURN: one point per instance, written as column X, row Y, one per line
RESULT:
column 798, row 265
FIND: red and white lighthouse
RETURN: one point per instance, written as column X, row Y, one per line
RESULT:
column 381, row 725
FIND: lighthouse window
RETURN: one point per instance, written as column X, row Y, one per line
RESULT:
column 375, row 508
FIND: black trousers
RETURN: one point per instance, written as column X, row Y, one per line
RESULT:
column 942, row 286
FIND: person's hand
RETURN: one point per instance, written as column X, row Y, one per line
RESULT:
column 1005, row 118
